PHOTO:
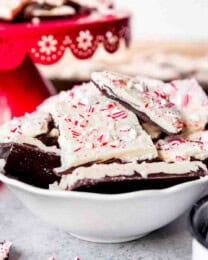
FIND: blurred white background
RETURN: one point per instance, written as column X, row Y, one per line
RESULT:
column 178, row 19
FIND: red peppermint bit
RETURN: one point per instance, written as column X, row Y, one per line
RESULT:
column 74, row 106
column 78, row 149
column 76, row 122
column 97, row 103
column 81, row 104
column 92, row 131
column 163, row 96
column 121, row 114
column 186, row 100
column 103, row 109
column 91, row 109
column 156, row 93
column 173, row 85
column 169, row 105
column 93, row 146
column 75, row 134
column 146, row 105
column 71, row 94
column 81, row 115
column 118, row 81
column 13, row 130
column 113, row 146
column 110, row 106
column 104, row 144
column 100, row 138
column 180, row 158
column 67, row 119
column 174, row 141
column 83, row 126
column 124, row 117
column 124, row 130
column 19, row 132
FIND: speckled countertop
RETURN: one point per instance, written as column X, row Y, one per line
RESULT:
column 35, row 240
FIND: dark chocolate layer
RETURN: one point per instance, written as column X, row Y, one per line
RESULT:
column 46, row 138
column 30, row 164
column 122, row 184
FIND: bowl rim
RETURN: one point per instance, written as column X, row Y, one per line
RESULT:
column 96, row 196
column 193, row 230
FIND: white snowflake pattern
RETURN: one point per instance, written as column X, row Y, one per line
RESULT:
column 47, row 44
column 67, row 40
column 84, row 40
column 111, row 38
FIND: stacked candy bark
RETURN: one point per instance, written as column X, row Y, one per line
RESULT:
column 100, row 136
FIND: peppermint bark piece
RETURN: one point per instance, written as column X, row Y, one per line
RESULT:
column 94, row 128
column 49, row 9
column 9, row 9
column 143, row 99
column 5, row 250
column 192, row 146
column 31, row 129
column 191, row 100
column 28, row 125
column 63, row 8
column 118, row 178
column 29, row 149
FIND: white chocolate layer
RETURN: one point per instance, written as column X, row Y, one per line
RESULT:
column 56, row 11
column 99, row 171
column 95, row 128
column 2, row 164
column 142, row 97
column 24, row 130
column 32, row 125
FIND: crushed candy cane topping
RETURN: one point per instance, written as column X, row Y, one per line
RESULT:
column 95, row 128
column 28, row 125
column 186, row 147
column 192, row 102
column 143, row 97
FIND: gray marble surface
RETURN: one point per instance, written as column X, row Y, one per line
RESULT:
column 35, row 240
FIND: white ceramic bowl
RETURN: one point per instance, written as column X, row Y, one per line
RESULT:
column 108, row 218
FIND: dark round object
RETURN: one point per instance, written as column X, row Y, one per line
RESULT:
column 198, row 221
